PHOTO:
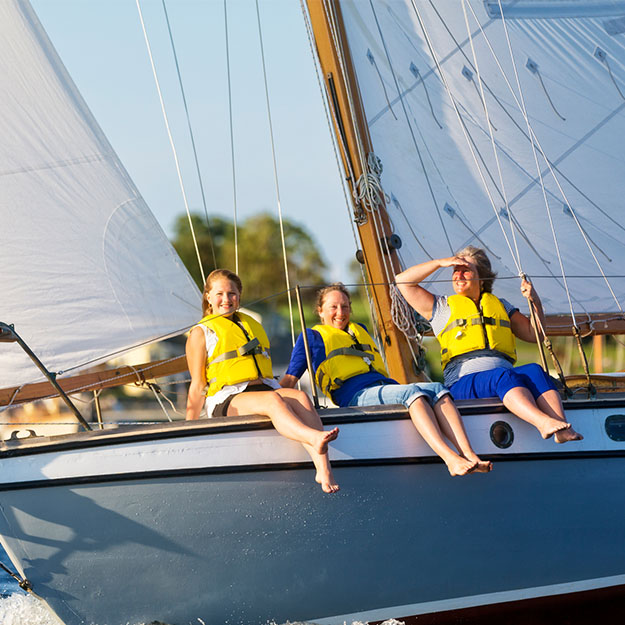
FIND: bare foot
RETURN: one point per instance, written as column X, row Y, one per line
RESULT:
column 325, row 437
column 460, row 466
column 551, row 426
column 566, row 435
column 327, row 481
column 481, row 466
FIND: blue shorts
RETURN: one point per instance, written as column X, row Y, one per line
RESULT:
column 497, row 382
column 398, row 394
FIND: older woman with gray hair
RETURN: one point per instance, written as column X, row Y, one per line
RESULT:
column 476, row 331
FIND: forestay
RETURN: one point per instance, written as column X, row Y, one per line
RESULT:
column 86, row 268
column 419, row 69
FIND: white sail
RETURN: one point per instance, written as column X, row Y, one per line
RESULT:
column 414, row 60
column 86, row 269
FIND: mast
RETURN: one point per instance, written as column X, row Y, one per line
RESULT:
column 350, row 126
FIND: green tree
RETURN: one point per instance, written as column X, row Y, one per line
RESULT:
column 216, row 244
column 261, row 264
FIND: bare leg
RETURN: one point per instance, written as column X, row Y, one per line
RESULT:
column 426, row 424
column 301, row 405
column 551, row 404
column 278, row 406
column 451, row 425
column 519, row 401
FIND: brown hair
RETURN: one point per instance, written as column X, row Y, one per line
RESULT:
column 213, row 276
column 335, row 286
column 484, row 270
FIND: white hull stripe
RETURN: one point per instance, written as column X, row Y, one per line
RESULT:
column 461, row 603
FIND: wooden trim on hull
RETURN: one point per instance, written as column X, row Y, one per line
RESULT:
column 599, row 605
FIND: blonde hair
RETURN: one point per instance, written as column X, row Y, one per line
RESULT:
column 213, row 276
column 335, row 286
column 484, row 270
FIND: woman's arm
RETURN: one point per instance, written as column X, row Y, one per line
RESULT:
column 298, row 363
column 196, row 361
column 408, row 283
column 288, row 381
column 521, row 326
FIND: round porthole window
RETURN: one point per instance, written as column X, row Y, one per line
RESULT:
column 501, row 434
column 615, row 427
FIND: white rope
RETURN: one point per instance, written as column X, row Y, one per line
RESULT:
column 234, row 174
column 171, row 141
column 275, row 175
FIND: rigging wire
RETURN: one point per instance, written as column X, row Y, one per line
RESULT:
column 414, row 141
column 536, row 143
column 368, row 189
column 275, row 174
column 460, row 120
column 232, row 151
column 191, row 134
column 171, row 140
column 516, row 254
column 523, row 111
column 331, row 116
column 332, row 21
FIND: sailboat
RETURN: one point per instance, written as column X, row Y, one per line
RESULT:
column 218, row 519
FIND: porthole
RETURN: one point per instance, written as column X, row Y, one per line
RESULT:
column 501, row 434
column 615, row 427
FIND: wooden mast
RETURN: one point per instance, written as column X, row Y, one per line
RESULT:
column 351, row 129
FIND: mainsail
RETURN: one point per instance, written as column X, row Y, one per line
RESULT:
column 86, row 269
column 452, row 129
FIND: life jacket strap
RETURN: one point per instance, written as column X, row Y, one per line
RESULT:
column 249, row 349
column 489, row 321
column 361, row 351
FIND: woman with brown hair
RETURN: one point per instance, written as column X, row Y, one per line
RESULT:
column 231, row 374
column 350, row 371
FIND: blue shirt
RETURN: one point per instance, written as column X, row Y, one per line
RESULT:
column 342, row 395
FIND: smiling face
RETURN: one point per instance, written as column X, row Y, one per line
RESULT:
column 335, row 310
column 223, row 297
column 466, row 279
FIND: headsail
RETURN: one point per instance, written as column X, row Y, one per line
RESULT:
column 86, row 268
column 428, row 83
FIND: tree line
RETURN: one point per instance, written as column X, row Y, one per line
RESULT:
column 259, row 243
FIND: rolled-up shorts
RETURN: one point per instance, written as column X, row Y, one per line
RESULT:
column 497, row 382
column 398, row 394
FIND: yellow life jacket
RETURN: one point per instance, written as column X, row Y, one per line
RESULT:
column 347, row 355
column 241, row 353
column 470, row 328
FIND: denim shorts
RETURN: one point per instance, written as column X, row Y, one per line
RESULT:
column 398, row 394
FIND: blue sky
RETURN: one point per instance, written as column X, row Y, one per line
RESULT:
column 102, row 45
